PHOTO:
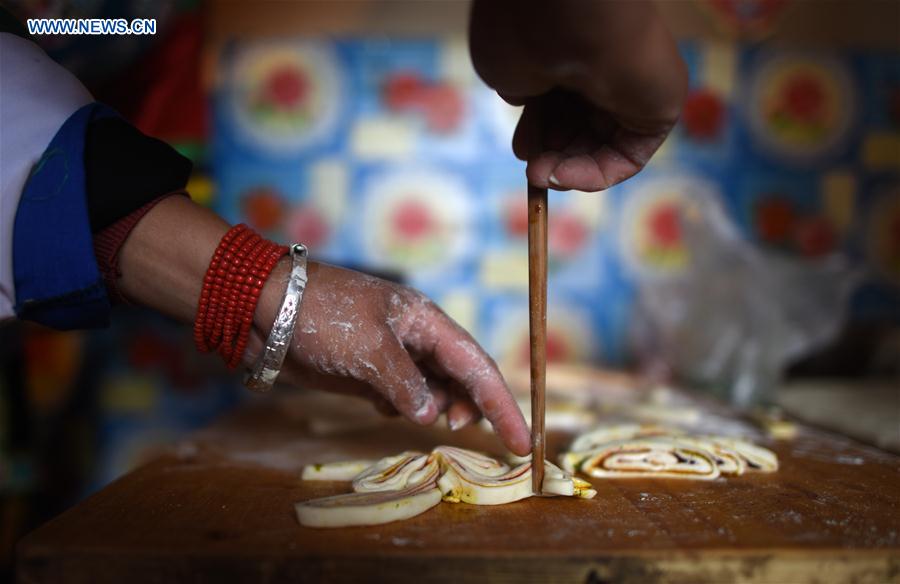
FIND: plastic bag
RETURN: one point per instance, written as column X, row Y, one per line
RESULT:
column 736, row 315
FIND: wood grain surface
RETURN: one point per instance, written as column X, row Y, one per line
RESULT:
column 219, row 508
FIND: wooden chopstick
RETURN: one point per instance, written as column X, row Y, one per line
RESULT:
column 537, row 322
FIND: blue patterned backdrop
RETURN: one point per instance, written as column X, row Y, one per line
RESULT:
column 390, row 154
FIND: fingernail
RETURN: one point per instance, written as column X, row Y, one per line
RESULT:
column 424, row 409
column 553, row 180
column 459, row 423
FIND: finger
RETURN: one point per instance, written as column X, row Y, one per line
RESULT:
column 514, row 100
column 581, row 144
column 567, row 128
column 451, row 397
column 567, row 116
column 402, row 383
column 438, row 384
column 578, row 171
column 609, row 165
column 460, row 409
column 628, row 152
column 384, row 407
column 540, row 170
column 527, row 137
column 457, row 353
column 463, row 412
column 441, row 395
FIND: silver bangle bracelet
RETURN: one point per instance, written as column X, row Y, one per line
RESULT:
column 268, row 365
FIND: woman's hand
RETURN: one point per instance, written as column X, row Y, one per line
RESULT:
column 364, row 336
column 355, row 334
column 601, row 81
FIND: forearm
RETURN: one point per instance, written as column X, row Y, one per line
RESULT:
column 165, row 257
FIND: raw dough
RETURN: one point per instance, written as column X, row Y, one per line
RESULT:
column 635, row 450
column 605, row 434
column 405, row 485
column 471, row 477
column 657, row 456
column 757, row 458
column 394, row 488
column 335, row 471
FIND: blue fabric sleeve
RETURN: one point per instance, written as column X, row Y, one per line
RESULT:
column 57, row 281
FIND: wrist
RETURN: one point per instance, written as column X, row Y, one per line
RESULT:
column 232, row 286
column 280, row 338
column 270, row 298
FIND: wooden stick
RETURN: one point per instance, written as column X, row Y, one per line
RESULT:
column 537, row 322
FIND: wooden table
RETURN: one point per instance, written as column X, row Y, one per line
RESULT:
column 219, row 508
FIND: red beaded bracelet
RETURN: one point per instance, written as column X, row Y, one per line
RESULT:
column 227, row 307
column 246, row 302
column 209, row 292
column 243, row 304
column 237, row 272
column 262, row 271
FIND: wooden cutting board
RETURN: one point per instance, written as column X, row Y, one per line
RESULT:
column 219, row 508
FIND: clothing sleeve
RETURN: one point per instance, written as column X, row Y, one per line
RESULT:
column 71, row 169
column 37, row 96
column 126, row 169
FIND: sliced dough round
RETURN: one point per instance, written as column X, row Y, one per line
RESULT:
column 367, row 508
column 396, row 487
column 476, row 462
column 729, row 461
column 559, row 482
column 656, row 451
column 756, row 457
column 606, row 434
column 402, row 486
column 459, row 485
column 396, row 473
column 661, row 456
column 335, row 471
column 465, row 482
